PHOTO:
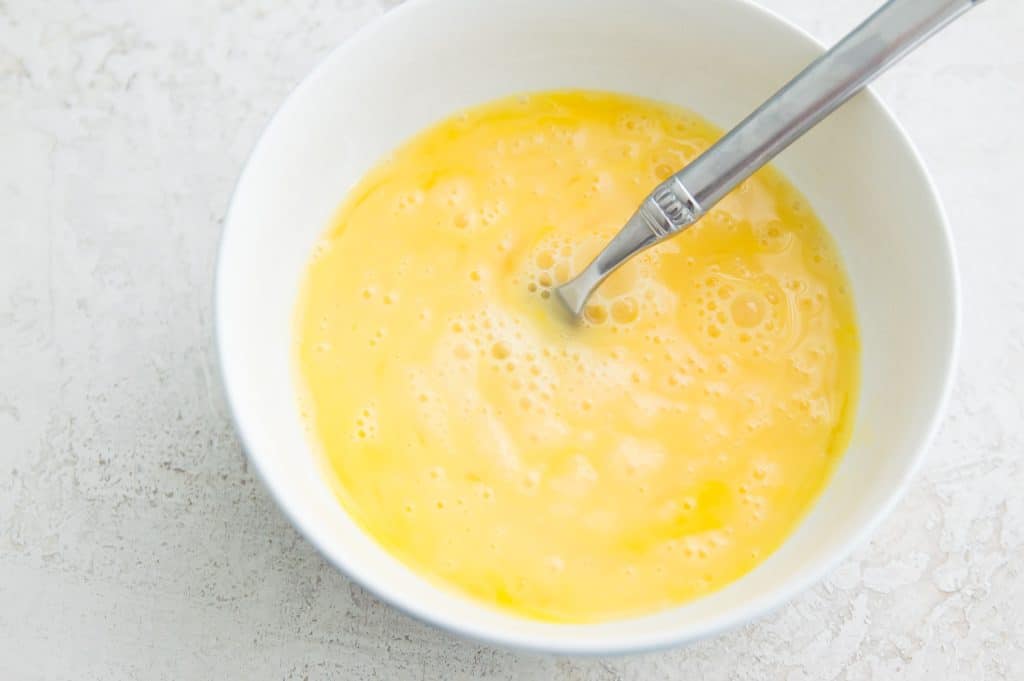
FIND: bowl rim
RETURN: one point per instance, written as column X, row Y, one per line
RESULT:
column 579, row 644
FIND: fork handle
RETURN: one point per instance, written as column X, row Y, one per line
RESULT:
column 882, row 39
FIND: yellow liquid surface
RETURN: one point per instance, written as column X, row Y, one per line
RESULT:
column 652, row 453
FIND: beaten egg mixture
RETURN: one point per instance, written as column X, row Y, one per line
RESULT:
column 655, row 450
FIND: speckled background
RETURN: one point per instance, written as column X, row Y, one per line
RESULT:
column 135, row 543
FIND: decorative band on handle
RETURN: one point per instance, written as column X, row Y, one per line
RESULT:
column 669, row 209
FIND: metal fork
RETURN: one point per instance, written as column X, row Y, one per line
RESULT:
column 880, row 41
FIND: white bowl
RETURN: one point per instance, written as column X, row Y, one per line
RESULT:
column 429, row 58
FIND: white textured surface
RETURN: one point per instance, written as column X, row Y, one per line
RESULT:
column 134, row 542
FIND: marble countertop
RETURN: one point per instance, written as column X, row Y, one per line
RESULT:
column 135, row 543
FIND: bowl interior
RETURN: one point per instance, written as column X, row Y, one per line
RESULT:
column 429, row 58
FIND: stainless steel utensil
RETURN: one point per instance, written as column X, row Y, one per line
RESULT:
column 883, row 39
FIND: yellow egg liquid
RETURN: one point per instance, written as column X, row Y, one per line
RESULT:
column 650, row 453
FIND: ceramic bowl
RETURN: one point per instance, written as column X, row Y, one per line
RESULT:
column 429, row 58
